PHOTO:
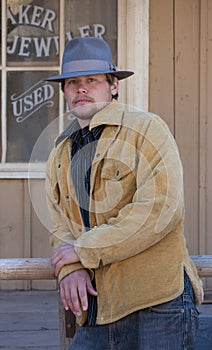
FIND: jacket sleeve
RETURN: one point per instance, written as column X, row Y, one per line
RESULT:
column 61, row 232
column 155, row 211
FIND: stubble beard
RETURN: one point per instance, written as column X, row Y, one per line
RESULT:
column 86, row 112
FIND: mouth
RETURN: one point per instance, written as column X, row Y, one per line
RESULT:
column 81, row 101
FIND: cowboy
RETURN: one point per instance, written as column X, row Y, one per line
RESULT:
column 114, row 188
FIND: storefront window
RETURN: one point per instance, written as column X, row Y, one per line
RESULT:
column 31, row 51
column 31, row 106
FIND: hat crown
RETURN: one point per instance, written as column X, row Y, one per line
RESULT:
column 88, row 48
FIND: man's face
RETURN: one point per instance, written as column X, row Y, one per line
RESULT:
column 87, row 95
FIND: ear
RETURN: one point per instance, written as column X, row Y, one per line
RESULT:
column 114, row 87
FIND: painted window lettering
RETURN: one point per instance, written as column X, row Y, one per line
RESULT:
column 42, row 46
column 33, row 15
column 30, row 101
column 34, row 42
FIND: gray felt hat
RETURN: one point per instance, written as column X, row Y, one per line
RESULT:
column 88, row 56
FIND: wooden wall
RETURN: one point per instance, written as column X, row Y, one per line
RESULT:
column 24, row 226
column 179, row 90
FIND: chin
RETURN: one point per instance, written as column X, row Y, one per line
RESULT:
column 87, row 111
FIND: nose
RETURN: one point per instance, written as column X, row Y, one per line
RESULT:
column 82, row 88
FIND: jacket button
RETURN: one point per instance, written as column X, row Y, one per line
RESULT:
column 59, row 166
column 80, row 230
column 67, row 197
column 98, row 155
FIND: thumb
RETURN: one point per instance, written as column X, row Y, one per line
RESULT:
column 90, row 289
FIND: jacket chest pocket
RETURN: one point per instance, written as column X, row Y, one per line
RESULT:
column 116, row 185
column 116, row 170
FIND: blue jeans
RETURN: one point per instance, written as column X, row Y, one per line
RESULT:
column 169, row 326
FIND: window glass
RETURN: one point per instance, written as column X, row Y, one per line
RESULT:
column 32, row 32
column 92, row 18
column 32, row 46
column 31, row 106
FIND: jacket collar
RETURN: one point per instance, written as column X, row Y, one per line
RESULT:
column 110, row 115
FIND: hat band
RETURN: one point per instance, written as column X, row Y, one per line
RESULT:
column 86, row 65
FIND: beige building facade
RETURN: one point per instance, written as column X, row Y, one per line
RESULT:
column 168, row 43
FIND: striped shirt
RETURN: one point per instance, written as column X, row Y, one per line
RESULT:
column 82, row 153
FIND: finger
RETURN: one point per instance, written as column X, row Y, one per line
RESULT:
column 66, row 301
column 63, row 256
column 59, row 258
column 77, row 309
column 59, row 251
column 83, row 296
column 58, row 267
column 55, row 257
column 90, row 289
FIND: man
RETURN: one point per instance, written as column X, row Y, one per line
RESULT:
column 114, row 187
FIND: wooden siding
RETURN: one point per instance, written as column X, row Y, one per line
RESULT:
column 25, row 224
column 179, row 90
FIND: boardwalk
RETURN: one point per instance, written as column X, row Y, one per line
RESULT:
column 29, row 321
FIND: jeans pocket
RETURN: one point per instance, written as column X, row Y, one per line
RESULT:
column 174, row 306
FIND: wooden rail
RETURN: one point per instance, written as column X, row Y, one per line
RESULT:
column 26, row 269
column 41, row 269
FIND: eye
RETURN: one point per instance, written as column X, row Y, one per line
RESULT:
column 91, row 80
column 72, row 81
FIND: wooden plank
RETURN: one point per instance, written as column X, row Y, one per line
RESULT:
column 137, row 53
column 27, row 228
column 17, row 301
column 40, row 225
column 161, row 67
column 11, row 225
column 203, row 127
column 133, row 51
column 122, row 47
column 29, row 320
column 187, row 110
column 203, row 264
column 209, row 136
column 26, row 269
column 33, row 339
column 18, row 321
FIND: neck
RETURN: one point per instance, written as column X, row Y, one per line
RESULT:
column 83, row 123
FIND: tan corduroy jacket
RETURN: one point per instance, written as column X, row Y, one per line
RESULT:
column 136, row 244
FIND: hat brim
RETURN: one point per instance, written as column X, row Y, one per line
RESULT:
column 59, row 78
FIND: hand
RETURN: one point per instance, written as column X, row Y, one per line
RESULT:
column 63, row 255
column 74, row 289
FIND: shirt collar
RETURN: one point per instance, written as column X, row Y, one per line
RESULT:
column 110, row 115
column 72, row 131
